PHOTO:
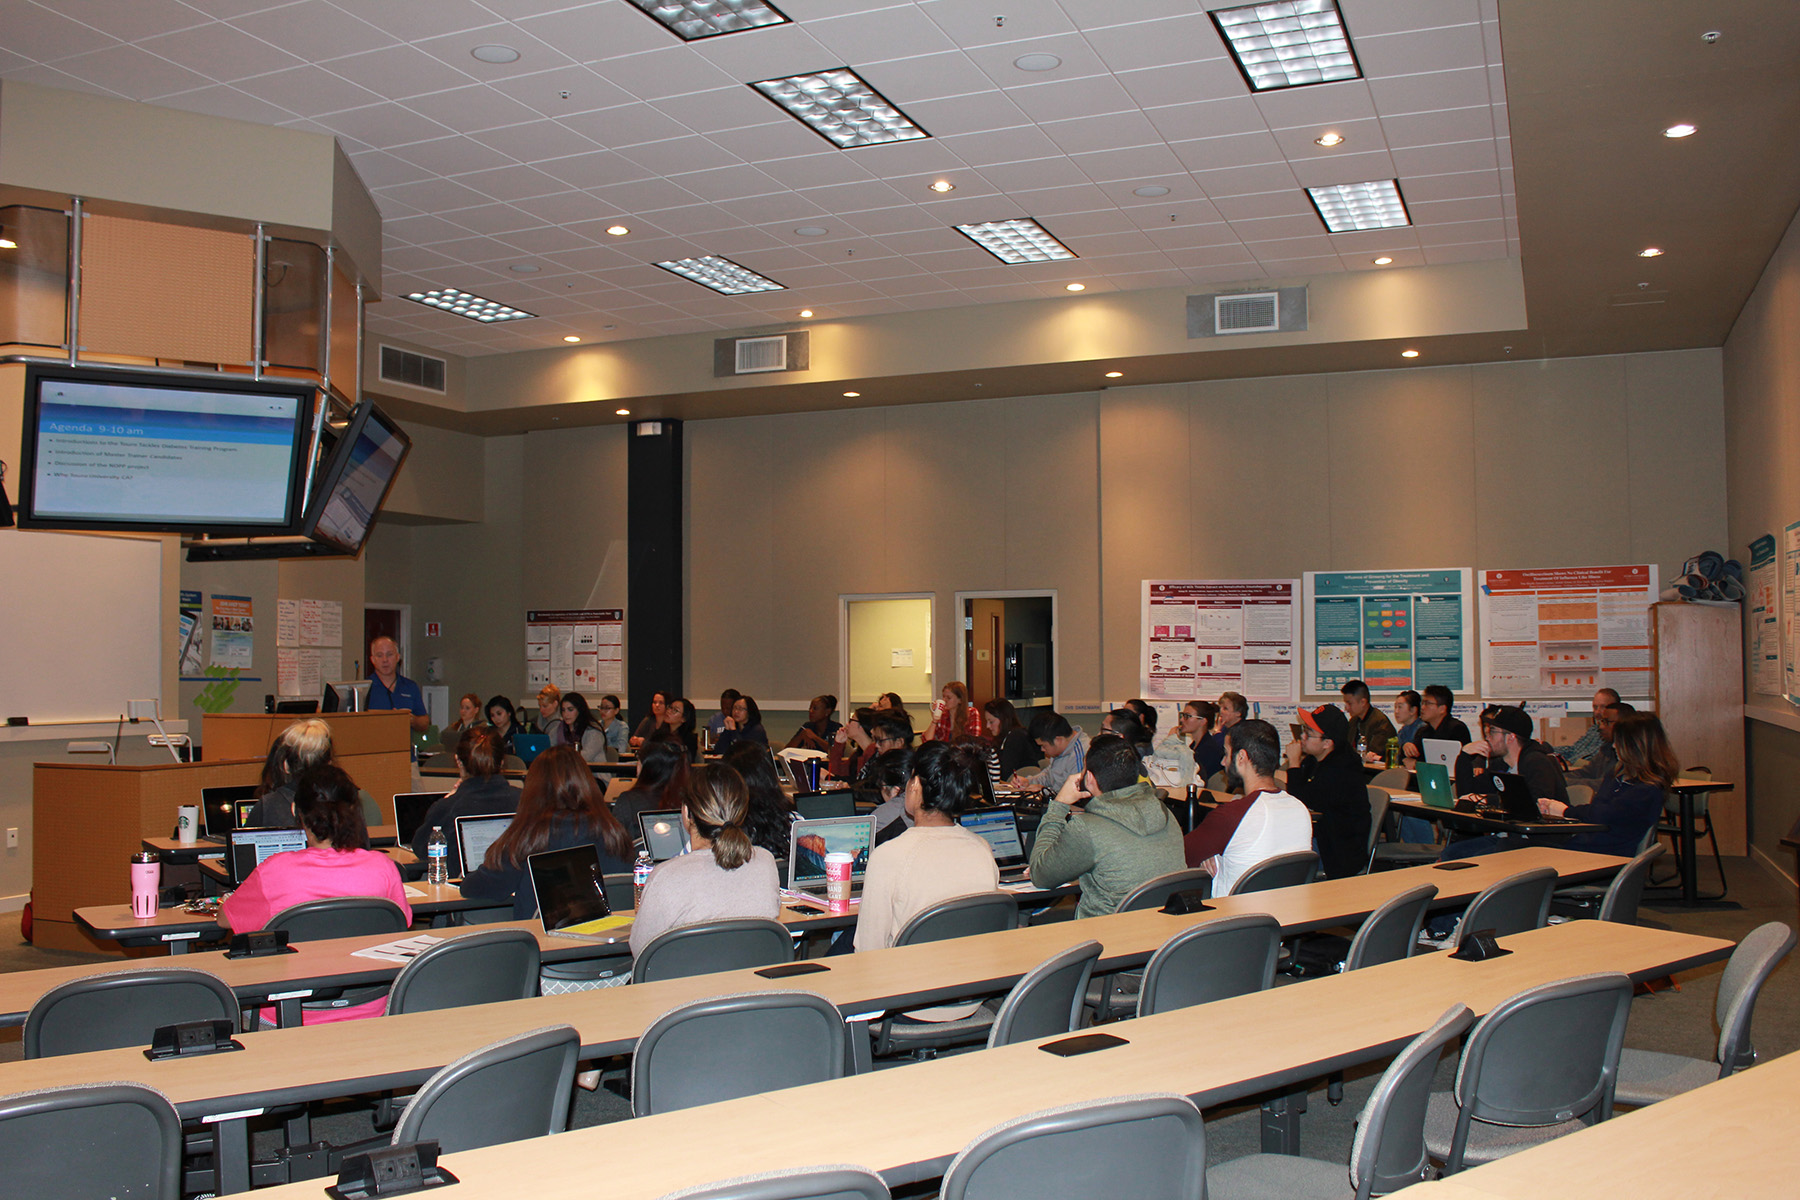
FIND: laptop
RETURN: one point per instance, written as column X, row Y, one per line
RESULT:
column 1442, row 751
column 1434, row 785
column 219, row 808
column 1516, row 802
column 475, row 834
column 999, row 828
column 409, row 812
column 247, row 849
column 529, row 745
column 664, row 835
column 244, row 809
column 570, row 894
column 814, row 806
column 813, row 840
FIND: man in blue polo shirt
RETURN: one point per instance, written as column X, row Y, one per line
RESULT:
column 389, row 689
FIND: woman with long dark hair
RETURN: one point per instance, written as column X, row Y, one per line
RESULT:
column 560, row 807
column 652, row 720
column 579, row 729
column 770, row 817
column 499, row 712
column 1630, row 800
column 661, row 782
column 479, row 791
column 743, row 725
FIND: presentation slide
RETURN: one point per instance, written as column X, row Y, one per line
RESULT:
column 351, row 506
column 117, row 452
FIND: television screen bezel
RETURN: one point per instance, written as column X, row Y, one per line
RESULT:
column 299, row 461
column 331, row 475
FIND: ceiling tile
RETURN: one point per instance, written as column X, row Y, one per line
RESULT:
column 562, row 208
column 1437, row 212
column 542, row 91
column 307, row 91
column 1052, row 202
column 1195, row 237
column 973, row 22
column 1429, row 93
column 472, row 108
column 517, row 183
column 544, row 239
column 493, row 219
column 1207, row 119
column 1068, row 98
column 1466, row 252
column 1184, row 83
column 813, row 170
column 982, row 112
column 433, row 195
column 312, row 29
column 1186, row 38
column 878, row 34
column 1135, row 163
column 587, row 32
column 1325, row 105
column 901, row 218
column 1290, row 202
column 1371, row 17
column 853, row 197
column 127, row 22
column 773, row 143
column 223, row 100
column 1099, row 223
column 981, row 150
column 454, row 155
column 670, row 71
column 1038, row 173
column 1253, row 230
column 1299, row 144
column 535, row 141
column 130, row 71
column 1246, row 181
column 1462, row 232
column 383, row 126
column 1106, row 132
column 1418, row 50
column 907, row 81
column 627, row 125
column 717, row 110
column 420, row 231
column 44, row 36
column 397, row 72
column 733, row 182
column 416, row 20
column 1433, row 128
column 378, row 168
column 641, row 195
column 1442, row 160
column 1458, row 186
column 682, row 153
column 220, row 51
column 1343, row 168
column 1256, row 149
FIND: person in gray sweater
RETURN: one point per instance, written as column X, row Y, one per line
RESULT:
column 722, row 876
column 1123, row 837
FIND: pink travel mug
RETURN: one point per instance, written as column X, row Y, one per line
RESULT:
column 146, row 881
column 837, row 882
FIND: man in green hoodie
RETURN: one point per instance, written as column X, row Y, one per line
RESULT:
column 1120, row 838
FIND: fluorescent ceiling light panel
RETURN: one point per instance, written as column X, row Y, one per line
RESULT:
column 721, row 275
column 692, row 20
column 1290, row 43
column 1347, row 207
column 840, row 107
column 468, row 304
column 1017, row 241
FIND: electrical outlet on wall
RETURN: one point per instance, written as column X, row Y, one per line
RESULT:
column 12, row 838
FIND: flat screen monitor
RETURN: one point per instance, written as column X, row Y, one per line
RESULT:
column 355, row 480
column 134, row 450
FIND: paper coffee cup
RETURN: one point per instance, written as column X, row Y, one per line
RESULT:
column 187, row 823
column 837, row 880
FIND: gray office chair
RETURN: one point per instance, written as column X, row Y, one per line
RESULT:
column 1392, row 777
column 1543, row 1063
column 1646, row 1076
column 123, row 1008
column 1378, row 806
column 1278, row 871
column 838, row 1182
column 511, row 1090
column 959, row 916
column 1390, row 934
column 1047, row 1001
column 1155, row 892
column 1212, row 961
column 1140, row 1146
column 341, row 917
column 1388, row 1152
column 1513, row 905
column 732, row 1046
column 701, row 949
column 1619, row 902
column 477, row 968
column 102, row 1139
column 1115, row 995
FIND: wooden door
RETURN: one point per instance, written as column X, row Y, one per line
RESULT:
column 986, row 654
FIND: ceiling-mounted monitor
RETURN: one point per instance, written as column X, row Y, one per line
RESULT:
column 356, row 479
column 129, row 450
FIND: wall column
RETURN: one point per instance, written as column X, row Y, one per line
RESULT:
column 655, row 503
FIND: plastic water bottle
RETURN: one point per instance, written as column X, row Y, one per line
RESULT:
column 640, row 875
column 437, row 858
column 1362, row 748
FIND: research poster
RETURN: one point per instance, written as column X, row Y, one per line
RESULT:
column 1765, row 619
column 1565, row 631
column 578, row 650
column 1790, row 610
column 1206, row 636
column 233, row 632
column 1392, row 629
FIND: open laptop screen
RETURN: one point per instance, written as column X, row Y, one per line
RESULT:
column 409, row 812
column 999, row 828
column 474, row 835
column 567, row 886
column 218, row 806
column 250, row 848
column 664, row 835
column 813, row 840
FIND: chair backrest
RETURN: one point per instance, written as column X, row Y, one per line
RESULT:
column 1513, row 905
column 1155, row 892
column 344, row 916
column 1216, row 782
column 1620, row 904
column 1393, row 777
column 1756, row 956
column 618, row 787
column 731, row 1046
column 1140, row 1146
column 48, row 1140
column 511, row 762
column 1392, row 931
column 729, row 945
column 512, row 1090
column 1388, row 1151
column 1279, row 871
column 1047, row 1000
column 1378, row 806
column 477, row 968
column 1212, row 961
column 797, row 1183
column 962, row 916
column 1544, row 1056
column 123, row 1008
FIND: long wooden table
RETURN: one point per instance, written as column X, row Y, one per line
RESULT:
column 1410, row 804
column 908, row 1122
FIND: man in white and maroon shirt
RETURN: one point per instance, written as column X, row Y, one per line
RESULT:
column 1263, row 822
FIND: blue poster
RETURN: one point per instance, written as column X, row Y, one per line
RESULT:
column 1392, row 629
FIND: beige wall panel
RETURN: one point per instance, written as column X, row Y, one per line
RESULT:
column 1260, row 448
column 1676, row 450
column 574, row 517
column 339, row 579
column 733, row 469
column 443, row 478
column 167, row 291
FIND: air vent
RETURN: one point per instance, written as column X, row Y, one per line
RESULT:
column 413, row 370
column 1226, row 314
column 759, row 355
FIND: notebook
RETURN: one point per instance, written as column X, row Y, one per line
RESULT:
column 1442, row 751
column 247, row 849
column 999, row 828
column 571, row 894
column 663, row 833
column 529, row 745
column 409, row 812
column 1434, row 785
column 475, row 834
column 813, row 840
column 219, row 808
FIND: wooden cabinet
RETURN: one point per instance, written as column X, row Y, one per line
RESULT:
column 1697, row 682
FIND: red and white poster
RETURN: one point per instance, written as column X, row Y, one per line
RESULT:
column 1206, row 636
column 1566, row 631
column 578, row 650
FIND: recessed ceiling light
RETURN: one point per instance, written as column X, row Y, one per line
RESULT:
column 852, row 395
column 569, row 337
column 1289, row 43
column 1383, row 261
column 1330, row 139
column 812, row 231
column 692, row 20
column 1016, row 241
column 524, row 268
column 495, row 54
column 1679, row 131
column 621, row 412
column 1114, row 374
column 1409, row 354
column 842, row 108
column 942, row 185
column 1150, row 190
column 467, row 304
column 1037, row 62
column 721, row 275
column 617, row 230
column 805, row 313
column 1074, row 287
column 1349, row 206
column 1650, row 252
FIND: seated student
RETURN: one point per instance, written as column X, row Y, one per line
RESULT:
column 499, row 711
column 1010, row 749
column 1407, row 721
column 661, row 782
column 851, row 745
column 606, row 714
column 479, row 791
column 818, row 730
column 1600, row 765
column 1370, row 730
column 303, row 746
column 1123, row 837
column 1589, row 743
column 724, row 876
column 1471, row 765
column 678, row 720
column 1324, row 775
column 1211, row 754
column 1630, row 800
column 336, row 862
column 468, row 716
column 770, row 818
column 1146, row 715
column 890, row 702
column 953, row 715
column 1123, row 722
column 1512, row 750
column 653, row 720
column 560, row 807
column 743, row 725
column 1261, row 823
column 888, row 776
column 549, row 703
column 579, row 729
column 1061, row 743
column 1174, row 757
column 1437, row 723
column 715, row 724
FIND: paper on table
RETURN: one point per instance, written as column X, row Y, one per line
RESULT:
column 401, row 951
column 414, row 893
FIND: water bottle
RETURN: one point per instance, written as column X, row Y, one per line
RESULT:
column 1362, row 748
column 640, row 875
column 437, row 858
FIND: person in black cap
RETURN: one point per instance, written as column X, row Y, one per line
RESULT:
column 1325, row 774
column 1510, row 743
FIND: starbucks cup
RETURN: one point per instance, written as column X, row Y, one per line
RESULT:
column 837, row 881
column 146, row 879
column 187, row 824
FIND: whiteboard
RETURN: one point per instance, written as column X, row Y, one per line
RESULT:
column 82, row 617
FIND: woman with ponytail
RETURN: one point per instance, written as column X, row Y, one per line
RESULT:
column 723, row 876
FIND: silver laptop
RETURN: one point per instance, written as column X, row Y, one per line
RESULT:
column 1441, row 751
column 570, row 893
column 813, row 840
column 665, row 837
column 475, row 834
column 999, row 828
